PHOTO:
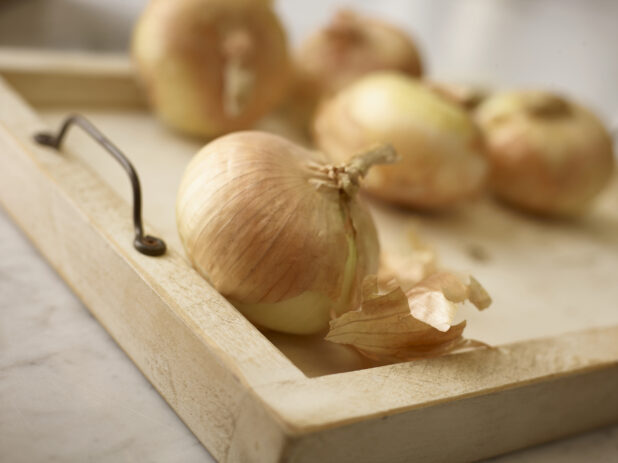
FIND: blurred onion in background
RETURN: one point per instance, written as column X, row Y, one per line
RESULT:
column 562, row 45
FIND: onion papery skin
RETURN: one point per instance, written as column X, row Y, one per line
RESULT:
column 334, row 56
column 288, row 254
column 441, row 149
column 352, row 46
column 178, row 48
column 548, row 156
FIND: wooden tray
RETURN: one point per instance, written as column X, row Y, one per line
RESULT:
column 251, row 396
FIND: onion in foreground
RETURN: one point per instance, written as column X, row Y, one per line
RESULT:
column 277, row 231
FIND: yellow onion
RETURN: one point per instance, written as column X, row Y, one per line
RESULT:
column 548, row 155
column 351, row 46
column 441, row 150
column 211, row 66
column 277, row 231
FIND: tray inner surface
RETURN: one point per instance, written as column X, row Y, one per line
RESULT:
column 546, row 277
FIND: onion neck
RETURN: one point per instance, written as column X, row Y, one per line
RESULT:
column 346, row 177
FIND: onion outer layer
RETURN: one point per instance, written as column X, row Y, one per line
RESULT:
column 276, row 230
column 211, row 66
column 548, row 155
column 440, row 146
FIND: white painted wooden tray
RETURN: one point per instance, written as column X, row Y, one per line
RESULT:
column 252, row 396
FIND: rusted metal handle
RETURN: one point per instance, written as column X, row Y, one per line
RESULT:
column 148, row 245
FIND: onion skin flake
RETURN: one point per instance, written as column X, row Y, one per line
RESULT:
column 395, row 326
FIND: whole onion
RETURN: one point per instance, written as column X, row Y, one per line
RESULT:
column 351, row 46
column 441, row 149
column 277, row 230
column 548, row 155
column 211, row 66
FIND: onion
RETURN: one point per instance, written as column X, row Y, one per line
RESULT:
column 440, row 146
column 547, row 154
column 348, row 48
column 211, row 66
column 277, row 231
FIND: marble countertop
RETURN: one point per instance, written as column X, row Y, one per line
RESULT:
column 68, row 393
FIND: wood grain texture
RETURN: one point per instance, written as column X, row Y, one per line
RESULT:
column 471, row 428
column 50, row 78
column 546, row 277
column 154, row 308
column 241, row 396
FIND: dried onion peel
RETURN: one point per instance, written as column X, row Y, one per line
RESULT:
column 440, row 146
column 211, row 66
column 278, row 231
column 408, row 268
column 547, row 155
column 394, row 326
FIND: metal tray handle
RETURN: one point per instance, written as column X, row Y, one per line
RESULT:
column 148, row 245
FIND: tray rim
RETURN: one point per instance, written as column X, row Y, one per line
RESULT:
column 278, row 398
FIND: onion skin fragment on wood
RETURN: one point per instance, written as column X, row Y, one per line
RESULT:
column 408, row 269
column 396, row 326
